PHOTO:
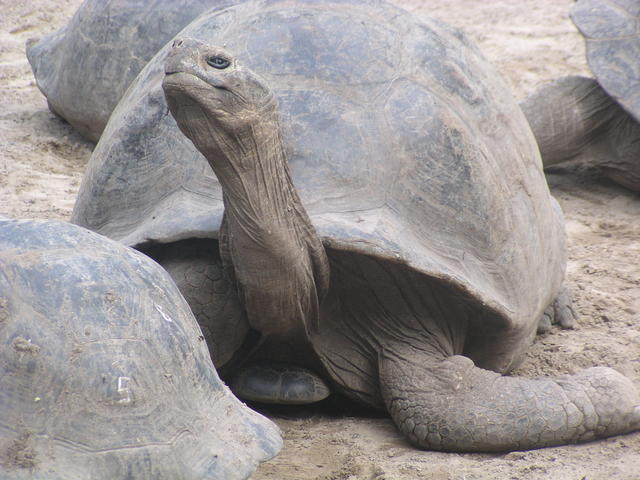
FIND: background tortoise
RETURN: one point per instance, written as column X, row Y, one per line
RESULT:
column 420, row 190
column 84, row 68
column 596, row 121
column 103, row 370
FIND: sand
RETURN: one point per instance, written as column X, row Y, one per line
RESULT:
column 530, row 41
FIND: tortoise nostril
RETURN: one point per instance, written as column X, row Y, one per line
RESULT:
column 177, row 43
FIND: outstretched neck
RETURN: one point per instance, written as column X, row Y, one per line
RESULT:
column 252, row 168
column 277, row 257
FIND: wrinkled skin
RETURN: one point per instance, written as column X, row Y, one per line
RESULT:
column 574, row 118
column 383, row 333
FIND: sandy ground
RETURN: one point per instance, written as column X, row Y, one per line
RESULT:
column 530, row 41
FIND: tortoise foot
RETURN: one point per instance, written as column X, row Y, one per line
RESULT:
column 451, row 405
column 564, row 314
column 559, row 312
column 278, row 383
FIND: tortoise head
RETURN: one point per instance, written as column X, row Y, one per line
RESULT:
column 209, row 92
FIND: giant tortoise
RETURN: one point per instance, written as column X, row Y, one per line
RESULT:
column 103, row 371
column 85, row 67
column 596, row 121
column 378, row 206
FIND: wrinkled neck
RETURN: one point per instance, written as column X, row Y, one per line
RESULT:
column 277, row 257
column 252, row 168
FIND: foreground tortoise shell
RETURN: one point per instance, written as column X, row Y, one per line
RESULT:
column 103, row 371
column 423, row 182
column 596, row 121
column 85, row 67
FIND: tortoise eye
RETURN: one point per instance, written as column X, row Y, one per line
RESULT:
column 218, row 62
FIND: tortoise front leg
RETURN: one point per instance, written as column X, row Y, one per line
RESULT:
column 574, row 118
column 570, row 116
column 197, row 270
column 449, row 404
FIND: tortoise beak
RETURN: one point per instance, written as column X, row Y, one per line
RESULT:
column 175, row 58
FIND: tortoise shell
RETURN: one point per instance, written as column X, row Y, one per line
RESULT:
column 104, row 371
column 84, row 68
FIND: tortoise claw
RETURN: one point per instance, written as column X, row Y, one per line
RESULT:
column 564, row 314
column 560, row 312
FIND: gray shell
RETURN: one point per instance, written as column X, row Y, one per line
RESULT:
column 84, row 68
column 612, row 33
column 402, row 140
column 103, row 370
